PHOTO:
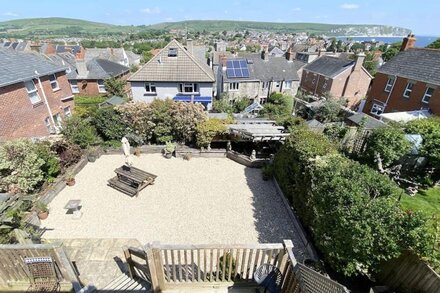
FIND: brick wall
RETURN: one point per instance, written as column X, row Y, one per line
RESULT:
column 351, row 85
column 397, row 102
column 90, row 87
column 19, row 118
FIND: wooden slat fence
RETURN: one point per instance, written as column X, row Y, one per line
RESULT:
column 13, row 270
column 409, row 273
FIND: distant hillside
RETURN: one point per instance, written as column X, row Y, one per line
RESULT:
column 66, row 27
column 317, row 28
column 57, row 27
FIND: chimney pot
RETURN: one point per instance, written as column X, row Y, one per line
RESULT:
column 408, row 42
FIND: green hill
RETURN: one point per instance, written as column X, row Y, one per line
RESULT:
column 66, row 27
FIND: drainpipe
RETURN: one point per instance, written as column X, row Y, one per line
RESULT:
column 389, row 94
column 45, row 101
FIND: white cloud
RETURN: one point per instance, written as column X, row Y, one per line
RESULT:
column 296, row 9
column 153, row 10
column 10, row 14
column 169, row 19
column 349, row 6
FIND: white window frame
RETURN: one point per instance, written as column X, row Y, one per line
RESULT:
column 408, row 90
column 101, row 87
column 376, row 108
column 193, row 88
column 389, row 85
column 74, row 86
column 173, row 52
column 427, row 96
column 234, row 86
column 58, row 120
column 288, row 84
column 54, row 82
column 150, row 87
column 32, row 93
column 67, row 111
column 48, row 125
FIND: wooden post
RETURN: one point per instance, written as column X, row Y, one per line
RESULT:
column 158, row 263
column 152, row 268
column 129, row 261
column 288, row 246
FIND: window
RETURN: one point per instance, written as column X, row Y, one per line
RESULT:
column 188, row 88
column 277, row 83
column 314, row 81
column 377, row 109
column 428, row 94
column 264, row 85
column 263, row 101
column 234, row 86
column 67, row 112
column 408, row 90
column 58, row 120
column 324, row 86
column 74, row 86
column 150, row 87
column 389, row 84
column 101, row 86
column 48, row 126
column 172, row 52
column 288, row 84
column 54, row 82
column 32, row 92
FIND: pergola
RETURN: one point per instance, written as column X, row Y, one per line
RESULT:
column 258, row 130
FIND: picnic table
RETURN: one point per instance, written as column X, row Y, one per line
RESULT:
column 131, row 180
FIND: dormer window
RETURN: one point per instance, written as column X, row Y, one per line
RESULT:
column 172, row 52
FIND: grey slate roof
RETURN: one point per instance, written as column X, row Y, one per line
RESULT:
column 98, row 68
column 370, row 122
column 329, row 66
column 275, row 68
column 117, row 55
column 417, row 64
column 20, row 66
column 183, row 68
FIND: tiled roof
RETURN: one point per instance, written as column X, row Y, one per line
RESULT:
column 20, row 66
column 183, row 68
column 329, row 66
column 275, row 68
column 417, row 64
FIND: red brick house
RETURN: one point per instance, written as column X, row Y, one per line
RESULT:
column 35, row 95
column 339, row 77
column 409, row 81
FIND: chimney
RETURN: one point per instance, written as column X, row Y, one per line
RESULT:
column 81, row 67
column 265, row 52
column 189, row 46
column 223, row 59
column 321, row 52
column 289, row 55
column 359, row 61
column 408, row 42
column 80, row 55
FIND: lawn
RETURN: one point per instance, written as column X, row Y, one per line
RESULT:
column 426, row 201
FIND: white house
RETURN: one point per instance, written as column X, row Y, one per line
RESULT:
column 176, row 74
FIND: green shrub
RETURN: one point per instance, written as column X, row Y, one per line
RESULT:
column 115, row 86
column 161, row 117
column 20, row 166
column 137, row 115
column 186, row 117
column 51, row 166
column 350, row 209
column 109, row 124
column 429, row 129
column 79, row 131
column 278, row 106
column 222, row 105
column 209, row 129
column 240, row 104
column 389, row 142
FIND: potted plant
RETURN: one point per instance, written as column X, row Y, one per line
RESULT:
column 169, row 150
column 70, row 179
column 92, row 155
column 137, row 152
column 42, row 210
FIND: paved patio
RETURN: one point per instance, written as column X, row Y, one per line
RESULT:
column 206, row 201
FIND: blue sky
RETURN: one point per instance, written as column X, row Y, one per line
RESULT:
column 421, row 16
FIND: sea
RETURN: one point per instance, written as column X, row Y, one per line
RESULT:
column 422, row 41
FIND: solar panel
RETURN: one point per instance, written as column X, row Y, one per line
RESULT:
column 237, row 69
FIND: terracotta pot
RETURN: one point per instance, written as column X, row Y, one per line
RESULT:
column 168, row 155
column 43, row 215
column 70, row 182
column 137, row 152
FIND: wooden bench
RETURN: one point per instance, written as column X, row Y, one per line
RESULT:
column 131, row 180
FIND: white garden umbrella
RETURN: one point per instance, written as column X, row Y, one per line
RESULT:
column 126, row 150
